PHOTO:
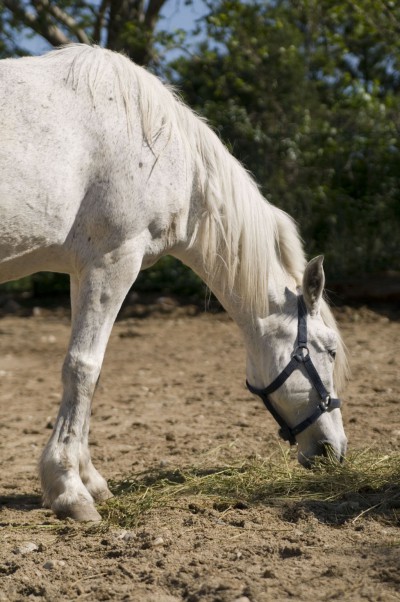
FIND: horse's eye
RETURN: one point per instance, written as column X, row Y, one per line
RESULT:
column 332, row 353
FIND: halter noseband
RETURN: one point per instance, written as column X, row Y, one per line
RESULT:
column 301, row 357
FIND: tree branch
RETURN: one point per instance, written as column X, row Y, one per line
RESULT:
column 153, row 12
column 100, row 21
column 62, row 17
column 47, row 30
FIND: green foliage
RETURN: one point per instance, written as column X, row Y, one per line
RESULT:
column 306, row 95
column 42, row 284
column 170, row 276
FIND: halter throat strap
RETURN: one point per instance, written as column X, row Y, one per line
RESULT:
column 301, row 357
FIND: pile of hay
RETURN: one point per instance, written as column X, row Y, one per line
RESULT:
column 366, row 475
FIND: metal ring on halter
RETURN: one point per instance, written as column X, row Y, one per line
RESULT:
column 326, row 402
column 301, row 353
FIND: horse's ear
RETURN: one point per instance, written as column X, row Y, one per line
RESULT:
column 313, row 283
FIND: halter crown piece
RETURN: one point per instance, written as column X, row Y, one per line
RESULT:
column 301, row 357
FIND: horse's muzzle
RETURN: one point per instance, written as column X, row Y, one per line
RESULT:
column 325, row 449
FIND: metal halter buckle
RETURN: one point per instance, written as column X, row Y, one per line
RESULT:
column 325, row 403
column 301, row 353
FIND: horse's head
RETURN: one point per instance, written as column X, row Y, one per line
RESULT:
column 291, row 366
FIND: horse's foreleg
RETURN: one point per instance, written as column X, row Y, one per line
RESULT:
column 94, row 482
column 91, row 478
column 99, row 296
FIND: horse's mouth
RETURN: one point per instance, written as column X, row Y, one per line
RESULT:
column 324, row 449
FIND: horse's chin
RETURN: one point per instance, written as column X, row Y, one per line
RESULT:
column 335, row 452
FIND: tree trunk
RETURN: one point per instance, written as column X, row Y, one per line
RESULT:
column 131, row 28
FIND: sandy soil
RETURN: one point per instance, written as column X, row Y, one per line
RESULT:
column 171, row 392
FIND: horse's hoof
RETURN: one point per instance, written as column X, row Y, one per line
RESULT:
column 82, row 513
column 102, row 496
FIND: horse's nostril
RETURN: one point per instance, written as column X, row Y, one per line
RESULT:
column 304, row 461
column 324, row 449
column 328, row 451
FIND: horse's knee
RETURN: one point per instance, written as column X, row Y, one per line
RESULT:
column 82, row 371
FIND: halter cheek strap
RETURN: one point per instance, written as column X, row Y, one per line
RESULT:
column 301, row 357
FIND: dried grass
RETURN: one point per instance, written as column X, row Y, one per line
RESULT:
column 258, row 481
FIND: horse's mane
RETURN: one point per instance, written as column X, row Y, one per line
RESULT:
column 245, row 241
column 243, row 238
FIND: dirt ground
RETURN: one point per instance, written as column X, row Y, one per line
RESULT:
column 172, row 392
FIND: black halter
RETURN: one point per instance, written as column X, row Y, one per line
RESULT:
column 301, row 357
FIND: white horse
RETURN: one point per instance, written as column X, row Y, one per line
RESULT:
column 103, row 171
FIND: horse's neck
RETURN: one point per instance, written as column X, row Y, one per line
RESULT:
column 233, row 236
column 279, row 288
